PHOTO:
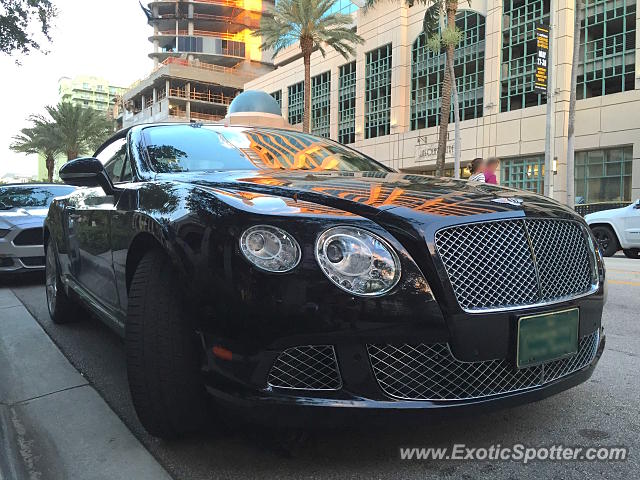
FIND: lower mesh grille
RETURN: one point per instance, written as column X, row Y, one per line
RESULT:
column 310, row 367
column 431, row 372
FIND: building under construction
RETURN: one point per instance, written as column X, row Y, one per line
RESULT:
column 203, row 54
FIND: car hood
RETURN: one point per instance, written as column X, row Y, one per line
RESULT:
column 370, row 194
column 606, row 214
column 22, row 217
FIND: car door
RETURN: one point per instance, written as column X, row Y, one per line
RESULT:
column 89, row 225
column 631, row 225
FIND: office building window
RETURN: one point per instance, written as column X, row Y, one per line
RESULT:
column 517, row 72
column 607, row 48
column 321, row 104
column 525, row 173
column 347, row 103
column 278, row 96
column 427, row 73
column 296, row 103
column 377, row 92
column 342, row 6
column 603, row 175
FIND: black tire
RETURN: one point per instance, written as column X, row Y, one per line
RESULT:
column 631, row 252
column 163, row 352
column 62, row 309
column 607, row 240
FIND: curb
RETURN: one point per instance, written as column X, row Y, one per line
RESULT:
column 53, row 423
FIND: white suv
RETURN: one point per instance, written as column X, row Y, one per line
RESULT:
column 616, row 229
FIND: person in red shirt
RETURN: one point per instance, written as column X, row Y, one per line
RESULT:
column 490, row 171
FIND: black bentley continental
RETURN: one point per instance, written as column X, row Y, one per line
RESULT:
column 286, row 276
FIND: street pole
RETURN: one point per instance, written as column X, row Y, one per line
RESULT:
column 549, row 143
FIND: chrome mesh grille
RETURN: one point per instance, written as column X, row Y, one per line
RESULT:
column 310, row 367
column 431, row 372
column 562, row 258
column 493, row 265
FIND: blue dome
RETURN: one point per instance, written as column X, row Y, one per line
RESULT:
column 254, row 101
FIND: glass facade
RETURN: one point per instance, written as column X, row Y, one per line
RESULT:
column 278, row 96
column 343, row 6
column 525, row 173
column 296, row 103
column 519, row 21
column 603, row 175
column 321, row 104
column 377, row 92
column 347, row 103
column 607, row 48
column 427, row 73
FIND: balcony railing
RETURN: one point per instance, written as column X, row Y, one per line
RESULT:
column 196, row 33
column 209, row 66
column 201, row 96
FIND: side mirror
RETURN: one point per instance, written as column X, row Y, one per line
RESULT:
column 637, row 204
column 86, row 172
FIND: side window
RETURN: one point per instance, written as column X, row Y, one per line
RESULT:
column 126, row 173
column 115, row 164
column 114, row 157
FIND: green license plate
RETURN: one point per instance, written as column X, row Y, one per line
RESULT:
column 546, row 337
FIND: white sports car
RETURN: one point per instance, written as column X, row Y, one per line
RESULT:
column 23, row 208
column 617, row 229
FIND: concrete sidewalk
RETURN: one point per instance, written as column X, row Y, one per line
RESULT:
column 53, row 424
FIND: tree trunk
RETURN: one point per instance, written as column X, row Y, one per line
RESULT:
column 50, row 163
column 456, row 118
column 72, row 155
column 445, row 101
column 571, row 130
column 307, row 47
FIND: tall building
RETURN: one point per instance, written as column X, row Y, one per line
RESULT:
column 385, row 100
column 203, row 53
column 90, row 92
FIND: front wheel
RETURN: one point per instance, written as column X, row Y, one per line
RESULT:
column 163, row 354
column 631, row 252
column 607, row 240
column 62, row 309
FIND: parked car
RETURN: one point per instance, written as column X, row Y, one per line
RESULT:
column 616, row 229
column 23, row 208
column 285, row 274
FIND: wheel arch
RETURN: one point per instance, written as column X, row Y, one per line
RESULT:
column 142, row 243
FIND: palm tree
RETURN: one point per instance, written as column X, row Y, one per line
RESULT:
column 309, row 23
column 448, row 38
column 78, row 130
column 571, row 129
column 36, row 140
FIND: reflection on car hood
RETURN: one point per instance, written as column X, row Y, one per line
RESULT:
column 371, row 193
column 19, row 217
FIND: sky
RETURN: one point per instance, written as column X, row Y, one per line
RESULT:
column 104, row 38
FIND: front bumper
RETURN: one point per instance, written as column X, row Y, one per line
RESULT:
column 297, row 408
column 14, row 259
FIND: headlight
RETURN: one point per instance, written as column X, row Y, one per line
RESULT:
column 4, row 232
column 270, row 248
column 358, row 261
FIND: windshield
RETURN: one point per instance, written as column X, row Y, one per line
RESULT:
column 185, row 148
column 30, row 196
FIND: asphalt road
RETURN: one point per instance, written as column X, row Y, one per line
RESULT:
column 605, row 411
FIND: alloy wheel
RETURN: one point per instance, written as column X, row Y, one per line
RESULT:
column 51, row 280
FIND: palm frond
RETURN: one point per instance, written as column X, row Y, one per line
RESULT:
column 292, row 20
